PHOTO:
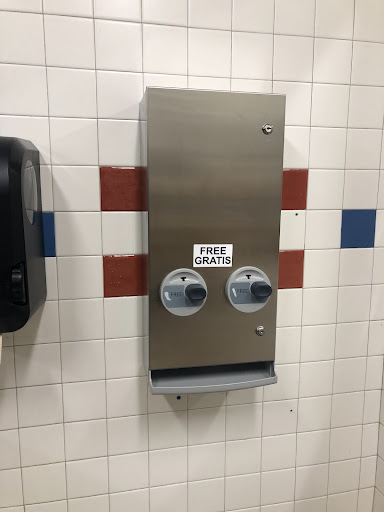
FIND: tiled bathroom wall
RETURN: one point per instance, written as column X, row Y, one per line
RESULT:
column 78, row 430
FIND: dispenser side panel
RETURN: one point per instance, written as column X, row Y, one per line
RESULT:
column 214, row 177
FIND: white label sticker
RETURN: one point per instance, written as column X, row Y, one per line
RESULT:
column 212, row 255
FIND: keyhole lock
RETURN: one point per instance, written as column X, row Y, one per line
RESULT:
column 260, row 331
column 267, row 129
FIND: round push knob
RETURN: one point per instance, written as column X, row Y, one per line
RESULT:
column 195, row 292
column 261, row 291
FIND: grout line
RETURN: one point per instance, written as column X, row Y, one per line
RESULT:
column 339, row 284
column 101, row 237
column 305, row 230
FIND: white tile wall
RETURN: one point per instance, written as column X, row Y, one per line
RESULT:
column 78, row 429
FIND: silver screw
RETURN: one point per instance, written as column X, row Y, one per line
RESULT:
column 260, row 331
column 267, row 129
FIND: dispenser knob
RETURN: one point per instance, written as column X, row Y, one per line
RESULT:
column 261, row 290
column 195, row 292
column 18, row 285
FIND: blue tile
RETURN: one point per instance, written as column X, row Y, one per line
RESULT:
column 49, row 234
column 358, row 228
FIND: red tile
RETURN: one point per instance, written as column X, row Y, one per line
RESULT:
column 125, row 276
column 291, row 264
column 123, row 189
column 294, row 195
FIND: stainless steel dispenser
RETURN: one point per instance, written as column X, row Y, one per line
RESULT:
column 214, row 189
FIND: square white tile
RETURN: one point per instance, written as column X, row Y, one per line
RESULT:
column 83, row 361
column 318, row 343
column 311, row 481
column 118, row 45
column 296, row 18
column 253, row 16
column 209, row 52
column 167, row 430
column 78, row 234
column 73, row 141
column 44, row 483
column 8, row 409
column 252, row 55
column 87, row 477
column 328, row 261
column 115, row 9
column 80, row 277
column 349, row 375
column 332, row 61
column 330, row 105
column 348, row 309
column 351, row 340
column 360, row 190
column 165, row 49
column 289, row 308
column 128, row 472
column 125, row 357
column 69, row 41
column 293, row 58
column 314, row 413
column 242, row 491
column 168, row 12
column 82, row 8
column 366, row 107
column 19, row 31
column 367, row 21
column 296, row 147
column 71, row 92
column 38, row 364
column 279, row 417
column 23, row 90
column 237, row 459
column 313, row 448
column 214, row 14
column 243, row 421
column 124, row 317
column 278, row 452
column 42, row 445
column 328, row 148
column 363, row 149
column 334, row 19
column 81, row 320
column 119, row 94
column 206, row 495
column 292, row 230
column 119, row 143
column 323, row 229
column 347, row 409
column 127, row 435
column 277, row 486
column 175, row 459
column 85, row 439
column 325, row 189
column 126, row 397
column 364, row 68
column 50, row 410
column 206, row 425
column 84, row 401
column 298, row 101
column 43, row 327
column 316, row 379
column 356, row 266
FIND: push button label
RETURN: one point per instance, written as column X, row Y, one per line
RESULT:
column 212, row 255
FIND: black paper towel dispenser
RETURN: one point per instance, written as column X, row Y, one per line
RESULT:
column 22, row 264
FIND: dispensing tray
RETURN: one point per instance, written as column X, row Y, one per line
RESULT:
column 211, row 379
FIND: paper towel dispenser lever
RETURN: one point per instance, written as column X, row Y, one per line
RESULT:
column 22, row 264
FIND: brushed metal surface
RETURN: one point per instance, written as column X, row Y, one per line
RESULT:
column 213, row 177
